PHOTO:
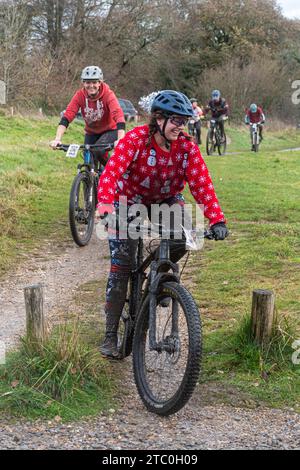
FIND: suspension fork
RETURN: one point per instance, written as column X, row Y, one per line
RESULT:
column 157, row 276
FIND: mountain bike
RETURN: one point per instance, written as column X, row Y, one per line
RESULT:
column 255, row 139
column 83, row 195
column 214, row 139
column 160, row 324
column 193, row 125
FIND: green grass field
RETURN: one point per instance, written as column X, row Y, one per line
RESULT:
column 34, row 185
column 259, row 194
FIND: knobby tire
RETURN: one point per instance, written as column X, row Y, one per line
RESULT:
column 83, row 182
column 189, row 378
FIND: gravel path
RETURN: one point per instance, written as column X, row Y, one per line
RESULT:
column 132, row 427
column 203, row 424
column 61, row 269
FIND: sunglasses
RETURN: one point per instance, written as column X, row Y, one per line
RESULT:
column 90, row 82
column 179, row 121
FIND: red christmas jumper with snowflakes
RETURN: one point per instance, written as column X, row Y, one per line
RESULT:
column 148, row 174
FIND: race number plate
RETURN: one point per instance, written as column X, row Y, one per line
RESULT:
column 72, row 151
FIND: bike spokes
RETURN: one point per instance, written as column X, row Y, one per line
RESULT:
column 222, row 143
column 81, row 209
column 210, row 142
column 167, row 374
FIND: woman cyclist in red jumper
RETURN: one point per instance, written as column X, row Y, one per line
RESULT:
column 100, row 109
column 151, row 165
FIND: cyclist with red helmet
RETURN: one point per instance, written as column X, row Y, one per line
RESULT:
column 100, row 109
column 151, row 165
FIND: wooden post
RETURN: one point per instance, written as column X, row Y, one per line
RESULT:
column 35, row 321
column 262, row 315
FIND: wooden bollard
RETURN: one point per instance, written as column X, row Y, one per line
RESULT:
column 35, row 321
column 262, row 316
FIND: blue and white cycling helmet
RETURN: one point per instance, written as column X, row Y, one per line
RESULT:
column 216, row 95
column 172, row 102
column 253, row 108
column 92, row 72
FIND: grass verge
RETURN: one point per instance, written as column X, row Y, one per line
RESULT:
column 260, row 198
column 65, row 378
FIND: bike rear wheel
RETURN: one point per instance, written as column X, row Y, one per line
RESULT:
column 166, row 380
column 82, row 209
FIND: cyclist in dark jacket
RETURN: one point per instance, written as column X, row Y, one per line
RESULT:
column 218, row 108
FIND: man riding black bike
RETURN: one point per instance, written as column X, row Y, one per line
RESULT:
column 218, row 108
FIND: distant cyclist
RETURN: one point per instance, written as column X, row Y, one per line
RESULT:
column 255, row 115
column 218, row 108
column 195, row 122
column 100, row 109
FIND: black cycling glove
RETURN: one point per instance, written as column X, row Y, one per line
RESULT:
column 220, row 231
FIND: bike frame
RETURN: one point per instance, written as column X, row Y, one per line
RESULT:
column 161, row 270
column 215, row 127
column 255, row 133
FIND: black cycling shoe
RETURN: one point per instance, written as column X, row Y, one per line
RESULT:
column 109, row 346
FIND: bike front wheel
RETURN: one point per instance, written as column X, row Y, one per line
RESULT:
column 256, row 143
column 166, row 377
column 210, row 142
column 82, row 209
column 222, row 144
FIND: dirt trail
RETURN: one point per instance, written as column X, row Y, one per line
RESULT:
column 60, row 269
column 213, row 419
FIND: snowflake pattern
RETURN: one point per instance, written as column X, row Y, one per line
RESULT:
column 125, row 160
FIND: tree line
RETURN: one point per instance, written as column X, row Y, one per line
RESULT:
column 245, row 48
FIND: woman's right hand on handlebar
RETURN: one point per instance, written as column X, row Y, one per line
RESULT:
column 55, row 143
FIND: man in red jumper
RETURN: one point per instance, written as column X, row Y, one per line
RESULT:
column 151, row 165
column 100, row 109
column 255, row 115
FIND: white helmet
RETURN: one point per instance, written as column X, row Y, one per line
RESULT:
column 92, row 72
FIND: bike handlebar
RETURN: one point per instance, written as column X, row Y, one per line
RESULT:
column 102, row 146
column 158, row 229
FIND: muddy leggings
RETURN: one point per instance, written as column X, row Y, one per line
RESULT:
column 122, row 253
